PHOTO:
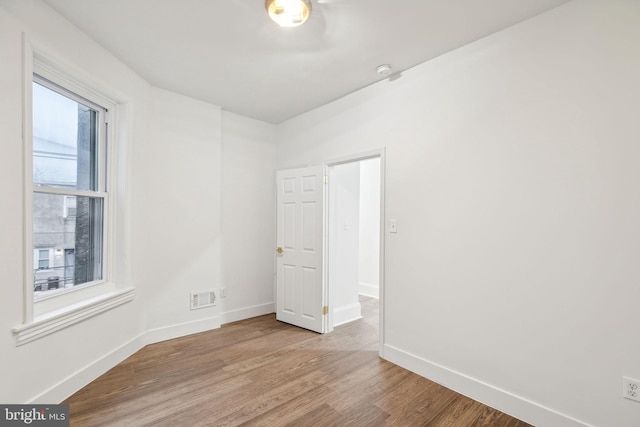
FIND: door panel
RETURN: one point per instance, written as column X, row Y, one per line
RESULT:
column 300, row 233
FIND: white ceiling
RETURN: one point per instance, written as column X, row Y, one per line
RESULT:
column 229, row 53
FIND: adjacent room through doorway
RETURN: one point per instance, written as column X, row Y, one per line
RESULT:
column 354, row 210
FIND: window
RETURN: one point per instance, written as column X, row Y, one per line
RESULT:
column 43, row 259
column 69, row 178
column 70, row 213
column 69, row 206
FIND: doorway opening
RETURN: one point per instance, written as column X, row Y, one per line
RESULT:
column 330, row 244
column 355, row 240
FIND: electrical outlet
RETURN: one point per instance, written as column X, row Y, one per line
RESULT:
column 631, row 388
column 223, row 292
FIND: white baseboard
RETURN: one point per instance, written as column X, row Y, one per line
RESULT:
column 84, row 376
column 153, row 336
column 247, row 312
column 516, row 406
column 369, row 290
column 346, row 313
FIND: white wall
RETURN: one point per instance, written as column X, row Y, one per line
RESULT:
column 369, row 244
column 47, row 369
column 209, row 173
column 182, row 209
column 248, row 216
column 173, row 227
column 344, row 237
column 513, row 170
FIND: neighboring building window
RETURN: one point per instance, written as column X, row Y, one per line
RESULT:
column 43, row 259
column 69, row 174
column 69, row 206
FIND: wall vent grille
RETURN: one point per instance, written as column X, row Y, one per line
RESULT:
column 202, row 299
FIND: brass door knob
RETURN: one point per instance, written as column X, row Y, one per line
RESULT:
column 279, row 250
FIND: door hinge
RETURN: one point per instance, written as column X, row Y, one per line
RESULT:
column 326, row 179
column 325, row 310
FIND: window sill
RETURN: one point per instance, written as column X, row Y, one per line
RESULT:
column 60, row 319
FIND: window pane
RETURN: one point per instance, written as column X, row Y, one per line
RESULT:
column 43, row 258
column 76, row 241
column 70, row 209
column 65, row 143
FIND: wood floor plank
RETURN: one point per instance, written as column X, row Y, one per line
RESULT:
column 293, row 409
column 244, row 406
column 416, row 401
column 322, row 416
column 491, row 417
column 462, row 411
column 261, row 372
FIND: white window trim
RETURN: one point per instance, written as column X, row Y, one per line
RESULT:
column 57, row 320
column 61, row 310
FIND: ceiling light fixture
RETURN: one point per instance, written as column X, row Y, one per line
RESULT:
column 288, row 13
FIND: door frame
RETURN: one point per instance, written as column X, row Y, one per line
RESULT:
column 380, row 153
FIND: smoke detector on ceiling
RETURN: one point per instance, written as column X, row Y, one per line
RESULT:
column 384, row 69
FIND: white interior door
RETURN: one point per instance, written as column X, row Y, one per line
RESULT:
column 300, row 287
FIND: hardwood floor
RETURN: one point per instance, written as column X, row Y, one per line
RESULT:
column 260, row 372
